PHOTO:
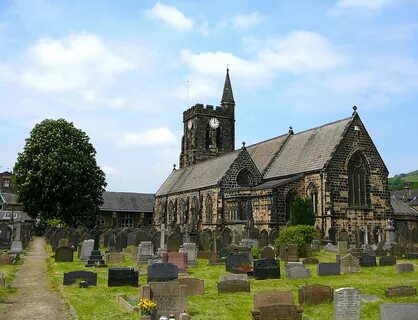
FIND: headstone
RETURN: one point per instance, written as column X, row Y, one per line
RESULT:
column 73, row 276
column 16, row 247
column 367, row 261
column 177, row 258
column 204, row 255
column 266, row 269
column 411, row 255
column 174, row 241
column 267, row 253
column 145, row 252
column 233, row 283
column 268, row 297
column 204, row 239
column 404, row 267
column 114, row 257
column 331, row 248
column 191, row 250
column 387, row 261
column 5, row 259
column 162, row 272
column 342, row 247
column 280, row 311
column 131, row 238
column 310, row 260
column 314, row 294
column 398, row 311
column 121, row 240
column 238, row 263
column 328, row 269
column 297, row 270
column 5, row 236
column 193, row 286
column 349, row 264
column 316, row 245
column 86, row 249
column 64, row 254
column 289, row 252
column 400, row 291
column 63, row 242
column 347, row 302
column 119, row 277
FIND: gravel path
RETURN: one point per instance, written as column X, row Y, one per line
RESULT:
column 34, row 299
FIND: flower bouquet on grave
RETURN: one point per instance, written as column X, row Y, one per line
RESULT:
column 245, row 268
column 147, row 307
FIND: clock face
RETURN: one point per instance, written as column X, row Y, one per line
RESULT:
column 214, row 123
column 190, row 124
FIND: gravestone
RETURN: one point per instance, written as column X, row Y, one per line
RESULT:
column 193, row 286
column 86, row 249
column 119, row 277
column 63, row 242
column 131, row 238
column 297, row 270
column 145, row 252
column 331, row 248
column 177, row 258
column 204, row 241
column 342, row 247
column 64, row 254
column 328, row 269
column 289, row 252
column 5, row 236
column 404, row 267
column 114, row 257
column 398, row 311
column 310, row 260
column 233, row 283
column 191, row 250
column 314, row 294
column 316, row 245
column 266, row 269
column 162, row 272
column 204, row 255
column 400, row 291
column 347, row 302
column 16, row 247
column 71, row 277
column 238, row 263
column 280, row 311
column 411, row 255
column 367, row 261
column 121, row 240
column 267, row 252
column 387, row 261
column 174, row 241
column 269, row 297
column 349, row 264
column 5, row 259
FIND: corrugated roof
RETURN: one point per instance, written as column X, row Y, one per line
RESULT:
column 197, row 176
column 308, row 150
column 402, row 209
column 127, row 201
column 262, row 153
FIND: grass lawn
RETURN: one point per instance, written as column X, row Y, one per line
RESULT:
column 100, row 302
column 9, row 273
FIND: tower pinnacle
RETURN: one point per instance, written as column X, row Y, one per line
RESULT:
column 227, row 95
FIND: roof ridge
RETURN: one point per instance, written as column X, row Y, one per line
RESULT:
column 324, row 125
column 276, row 154
column 260, row 142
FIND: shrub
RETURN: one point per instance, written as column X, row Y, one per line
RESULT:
column 255, row 252
column 299, row 235
column 302, row 212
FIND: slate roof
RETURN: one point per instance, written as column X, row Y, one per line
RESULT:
column 403, row 194
column 127, row 201
column 263, row 152
column 277, row 183
column 200, row 175
column 309, row 150
column 400, row 208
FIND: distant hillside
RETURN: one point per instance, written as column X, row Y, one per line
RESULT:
column 398, row 182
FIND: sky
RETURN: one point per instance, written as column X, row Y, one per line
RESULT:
column 124, row 71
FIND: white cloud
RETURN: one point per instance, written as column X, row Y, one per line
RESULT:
column 152, row 137
column 109, row 170
column 74, row 62
column 363, row 4
column 170, row 15
column 245, row 21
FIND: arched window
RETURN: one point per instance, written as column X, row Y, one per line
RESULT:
column 195, row 211
column 289, row 198
column 357, row 178
column 312, row 193
column 171, row 213
column 208, row 209
column 245, row 178
column 184, row 212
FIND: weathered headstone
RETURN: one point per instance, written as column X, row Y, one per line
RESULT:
column 331, row 248
column 387, row 261
column 328, row 269
column 177, row 258
column 16, row 247
column 349, row 264
column 297, row 270
column 114, row 257
column 342, row 247
column 280, row 311
column 238, row 263
column 289, row 252
column 63, row 242
column 310, row 260
column 267, row 253
column 404, row 267
column 398, row 311
column 145, row 252
column 118, row 277
column 64, row 254
column 73, row 276
column 86, row 249
column 193, row 286
column 367, row 261
column 266, row 269
column 121, row 240
column 191, row 250
column 314, row 294
column 347, row 303
column 174, row 241
column 162, row 272
column 5, row 236
column 233, row 283
column 401, row 291
column 131, row 238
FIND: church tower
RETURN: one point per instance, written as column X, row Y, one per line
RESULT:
column 209, row 131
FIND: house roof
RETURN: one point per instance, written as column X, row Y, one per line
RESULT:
column 400, row 208
column 127, row 201
column 204, row 174
column 406, row 195
column 309, row 150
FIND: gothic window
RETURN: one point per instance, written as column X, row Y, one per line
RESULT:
column 313, row 195
column 209, row 209
column 245, row 178
column 195, row 211
column 357, row 176
column 184, row 211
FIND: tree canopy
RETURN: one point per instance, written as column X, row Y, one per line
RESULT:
column 302, row 212
column 57, row 176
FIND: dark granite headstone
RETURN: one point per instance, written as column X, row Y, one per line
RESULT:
column 158, row 272
column 266, row 269
column 367, row 261
column 119, row 277
column 64, row 254
column 238, row 263
column 387, row 261
column 328, row 269
column 73, row 276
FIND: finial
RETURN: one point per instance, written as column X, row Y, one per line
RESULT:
column 174, row 167
column 290, row 129
column 354, row 110
column 243, row 144
column 227, row 68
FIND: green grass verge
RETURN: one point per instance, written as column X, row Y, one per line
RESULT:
column 100, row 302
column 9, row 272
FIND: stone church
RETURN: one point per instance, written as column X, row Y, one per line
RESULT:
column 247, row 192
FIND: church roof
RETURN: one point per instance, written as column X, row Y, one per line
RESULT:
column 197, row 176
column 400, row 208
column 309, row 150
column 127, row 201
